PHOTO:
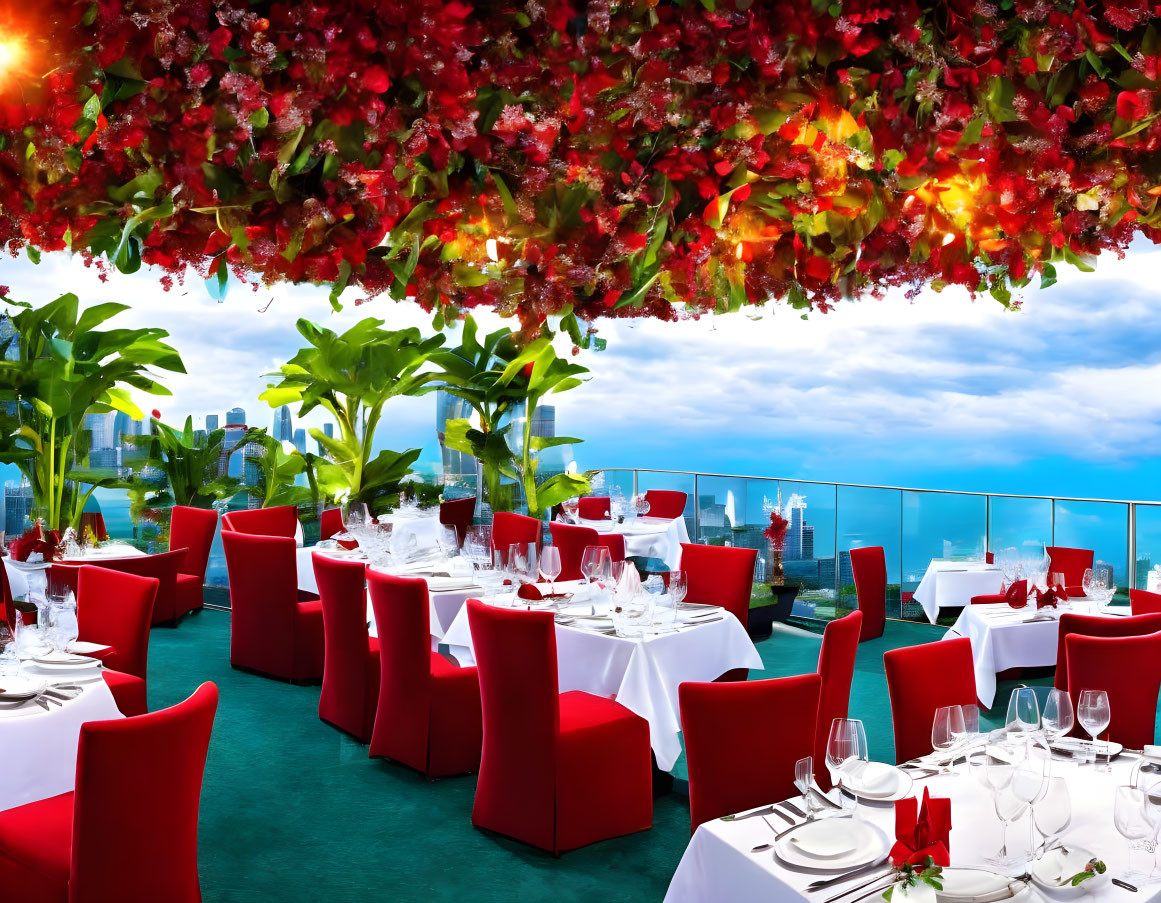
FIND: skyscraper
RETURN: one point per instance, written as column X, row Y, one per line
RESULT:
column 329, row 432
column 283, row 427
column 235, row 416
column 300, row 440
column 232, row 465
column 211, row 422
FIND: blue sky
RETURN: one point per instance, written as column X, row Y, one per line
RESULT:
column 941, row 392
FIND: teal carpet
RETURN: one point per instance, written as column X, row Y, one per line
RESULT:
column 292, row 810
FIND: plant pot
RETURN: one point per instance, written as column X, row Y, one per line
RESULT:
column 760, row 621
column 777, row 575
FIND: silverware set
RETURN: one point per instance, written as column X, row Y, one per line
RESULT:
column 57, row 695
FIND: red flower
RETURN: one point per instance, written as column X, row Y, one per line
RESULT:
column 1133, row 105
column 156, row 414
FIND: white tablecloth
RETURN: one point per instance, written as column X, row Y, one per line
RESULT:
column 38, row 748
column 648, row 537
column 718, row 864
column 445, row 604
column 953, row 583
column 1003, row 638
column 23, row 575
column 643, row 674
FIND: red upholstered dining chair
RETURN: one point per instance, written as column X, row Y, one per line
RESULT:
column 720, row 575
column 739, row 756
column 508, row 528
column 921, row 679
column 1095, row 625
column 1017, row 592
column 330, row 522
column 350, row 686
column 593, row 507
column 162, row 567
column 281, row 520
column 836, row 667
column 558, row 770
column 192, row 529
column 1143, row 602
column 9, row 607
column 869, row 568
column 458, row 514
column 665, row 503
column 572, row 541
column 115, row 609
column 129, row 831
column 1072, row 563
column 428, row 716
column 271, row 631
column 1128, row 668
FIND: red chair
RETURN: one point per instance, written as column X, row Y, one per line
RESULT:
column 572, row 542
column 1072, row 563
column 869, row 568
column 720, row 575
column 1095, row 625
column 192, row 529
column 742, row 740
column 508, row 528
column 429, row 710
column 350, row 687
column 921, row 679
column 665, row 503
column 1017, row 592
column 9, row 610
column 162, row 567
column 129, row 832
column 989, row 558
column 330, row 523
column 114, row 609
column 1142, row 602
column 1128, row 668
column 836, row 667
column 95, row 521
column 458, row 514
column 558, row 770
column 281, row 520
column 271, row 631
column 593, row 507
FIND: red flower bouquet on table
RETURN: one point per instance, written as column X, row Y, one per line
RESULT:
column 34, row 546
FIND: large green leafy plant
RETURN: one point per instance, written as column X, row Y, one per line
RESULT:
column 352, row 376
column 189, row 461
column 498, row 378
column 59, row 367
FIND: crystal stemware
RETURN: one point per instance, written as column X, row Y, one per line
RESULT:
column 947, row 730
column 1058, row 717
column 846, row 756
column 1132, row 823
column 1023, row 710
column 1092, row 711
column 550, row 566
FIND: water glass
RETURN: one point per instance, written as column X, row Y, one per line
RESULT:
column 1132, row 823
column 550, row 566
column 1093, row 713
column 947, row 730
column 592, row 562
column 1052, row 813
column 678, row 586
column 1023, row 710
column 1057, row 718
column 846, row 755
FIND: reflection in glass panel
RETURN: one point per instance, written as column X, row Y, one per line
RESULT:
column 680, row 482
column 605, row 481
column 1016, row 523
column 809, row 553
column 939, row 525
column 868, row 517
column 1100, row 526
column 1148, row 547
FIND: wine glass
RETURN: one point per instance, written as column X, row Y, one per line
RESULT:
column 803, row 780
column 1057, row 718
column 1132, row 823
column 591, row 561
column 846, row 755
column 447, row 541
column 1023, row 710
column 1000, row 759
column 1103, row 576
column 550, row 566
column 571, row 507
column 1093, row 713
column 1052, row 813
column 641, row 504
column 1089, row 584
column 678, row 587
column 947, row 730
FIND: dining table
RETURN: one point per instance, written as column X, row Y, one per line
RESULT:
column 32, row 576
column 641, row 672
column 646, row 537
column 738, row 858
column 951, row 583
column 38, row 740
column 1004, row 638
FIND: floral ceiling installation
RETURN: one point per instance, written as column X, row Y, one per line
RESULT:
column 611, row 158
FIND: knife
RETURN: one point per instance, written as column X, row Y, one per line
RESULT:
column 793, row 808
column 767, row 810
column 838, row 879
column 851, row 890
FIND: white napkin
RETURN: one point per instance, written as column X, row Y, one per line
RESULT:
column 629, row 586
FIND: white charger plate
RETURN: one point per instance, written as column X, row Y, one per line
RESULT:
column 1076, row 744
column 880, row 782
column 962, row 885
column 833, row 844
column 1045, row 873
column 68, row 662
column 20, row 687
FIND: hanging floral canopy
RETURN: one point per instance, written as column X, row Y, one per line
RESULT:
column 611, row 158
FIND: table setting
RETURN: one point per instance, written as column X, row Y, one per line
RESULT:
column 1023, row 632
column 1023, row 812
column 951, row 582
column 645, row 536
column 29, row 559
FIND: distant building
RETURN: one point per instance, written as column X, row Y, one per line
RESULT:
column 456, row 464
column 101, row 429
column 329, row 432
column 17, row 507
column 211, row 422
column 283, row 427
column 300, row 440
column 232, row 465
column 105, row 458
column 251, row 473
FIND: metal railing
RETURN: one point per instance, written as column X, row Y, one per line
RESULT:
column 913, row 525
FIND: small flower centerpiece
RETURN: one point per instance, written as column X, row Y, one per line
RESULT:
column 776, row 535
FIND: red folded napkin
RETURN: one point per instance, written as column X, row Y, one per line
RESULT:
column 1017, row 594
column 1050, row 597
column 529, row 591
column 922, row 831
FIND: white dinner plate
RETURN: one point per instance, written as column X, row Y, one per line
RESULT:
column 977, row 886
column 879, row 782
column 81, row 647
column 592, row 623
column 1056, row 866
column 1115, row 611
column 1077, row 744
column 832, row 844
column 65, row 661
column 20, row 687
